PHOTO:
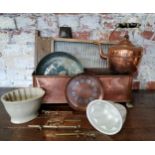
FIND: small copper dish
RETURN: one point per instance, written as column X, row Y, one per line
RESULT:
column 82, row 89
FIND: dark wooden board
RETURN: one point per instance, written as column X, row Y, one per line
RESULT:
column 139, row 125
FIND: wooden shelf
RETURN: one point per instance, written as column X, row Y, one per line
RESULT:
column 84, row 41
column 46, row 45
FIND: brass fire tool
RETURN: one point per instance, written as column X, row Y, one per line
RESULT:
column 76, row 133
column 40, row 127
column 48, row 112
column 61, row 121
column 93, row 135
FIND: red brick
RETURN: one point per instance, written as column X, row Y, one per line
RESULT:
column 115, row 36
column 107, row 16
column 108, row 25
column 17, row 32
column 104, row 37
column 82, row 35
column 148, row 35
column 136, row 85
column 150, row 85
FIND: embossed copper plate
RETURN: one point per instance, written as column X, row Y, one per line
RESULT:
column 82, row 89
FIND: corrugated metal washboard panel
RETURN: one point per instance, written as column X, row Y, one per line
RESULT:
column 85, row 51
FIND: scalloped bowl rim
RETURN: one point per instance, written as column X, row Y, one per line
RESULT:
column 23, row 100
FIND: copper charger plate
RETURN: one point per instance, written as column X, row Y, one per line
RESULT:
column 82, row 89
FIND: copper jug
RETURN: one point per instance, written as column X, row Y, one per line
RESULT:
column 123, row 57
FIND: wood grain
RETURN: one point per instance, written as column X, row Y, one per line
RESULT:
column 42, row 47
column 139, row 125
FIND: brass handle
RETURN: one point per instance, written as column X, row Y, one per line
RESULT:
column 102, row 54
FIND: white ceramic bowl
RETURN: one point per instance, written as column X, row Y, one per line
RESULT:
column 106, row 116
column 23, row 104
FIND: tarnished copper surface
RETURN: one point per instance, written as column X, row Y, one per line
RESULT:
column 54, row 87
column 115, row 87
column 82, row 89
column 124, row 57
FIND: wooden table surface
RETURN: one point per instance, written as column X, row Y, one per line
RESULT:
column 139, row 124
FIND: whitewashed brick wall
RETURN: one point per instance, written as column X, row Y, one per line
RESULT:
column 17, row 40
